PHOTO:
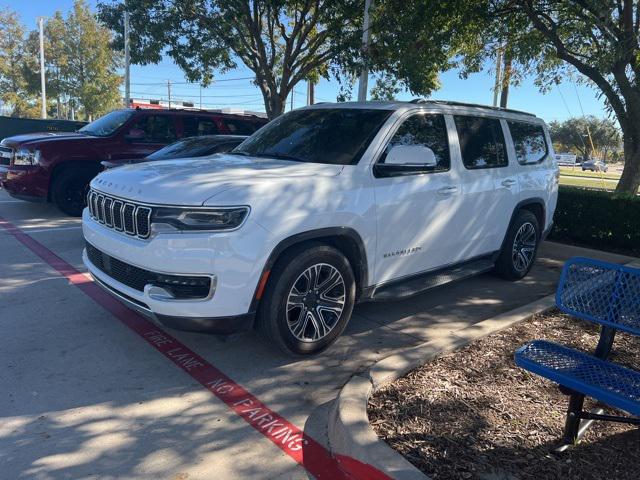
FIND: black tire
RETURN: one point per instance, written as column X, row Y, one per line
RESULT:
column 287, row 287
column 520, row 247
column 70, row 188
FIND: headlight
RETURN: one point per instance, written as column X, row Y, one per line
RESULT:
column 209, row 219
column 26, row 157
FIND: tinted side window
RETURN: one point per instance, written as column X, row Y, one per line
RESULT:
column 239, row 127
column 156, row 128
column 529, row 142
column 424, row 130
column 481, row 142
column 197, row 126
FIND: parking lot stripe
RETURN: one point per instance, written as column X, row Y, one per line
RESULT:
column 293, row 441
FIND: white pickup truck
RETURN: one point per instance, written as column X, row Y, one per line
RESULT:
column 324, row 207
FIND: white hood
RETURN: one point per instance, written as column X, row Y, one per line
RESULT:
column 193, row 181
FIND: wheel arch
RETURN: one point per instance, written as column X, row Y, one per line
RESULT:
column 346, row 240
column 534, row 205
column 69, row 164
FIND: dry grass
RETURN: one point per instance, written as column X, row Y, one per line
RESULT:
column 472, row 414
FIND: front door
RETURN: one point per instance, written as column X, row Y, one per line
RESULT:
column 416, row 202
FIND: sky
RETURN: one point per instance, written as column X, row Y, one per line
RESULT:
column 234, row 89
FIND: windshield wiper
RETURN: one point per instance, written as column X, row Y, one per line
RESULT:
column 239, row 152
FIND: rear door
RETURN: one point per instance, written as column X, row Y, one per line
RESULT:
column 146, row 134
column 196, row 126
column 417, row 205
column 489, row 183
column 537, row 167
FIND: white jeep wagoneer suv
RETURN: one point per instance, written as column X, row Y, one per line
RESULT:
column 323, row 207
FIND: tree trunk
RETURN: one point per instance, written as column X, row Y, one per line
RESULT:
column 274, row 105
column 630, row 179
column 506, row 79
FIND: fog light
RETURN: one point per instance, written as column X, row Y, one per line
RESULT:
column 184, row 287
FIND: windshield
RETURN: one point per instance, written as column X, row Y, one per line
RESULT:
column 336, row 136
column 188, row 147
column 106, row 125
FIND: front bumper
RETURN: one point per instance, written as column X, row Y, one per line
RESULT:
column 216, row 325
column 25, row 182
column 232, row 258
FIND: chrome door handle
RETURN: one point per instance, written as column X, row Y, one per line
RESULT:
column 447, row 190
column 509, row 182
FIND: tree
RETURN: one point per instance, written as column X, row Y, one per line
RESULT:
column 573, row 135
column 281, row 41
column 90, row 72
column 599, row 38
column 14, row 63
column 55, row 36
column 550, row 39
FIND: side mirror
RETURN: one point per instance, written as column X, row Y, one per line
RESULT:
column 411, row 155
column 135, row 134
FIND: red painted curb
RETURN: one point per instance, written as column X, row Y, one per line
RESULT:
column 293, row 441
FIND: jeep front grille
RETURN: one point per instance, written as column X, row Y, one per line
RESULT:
column 122, row 216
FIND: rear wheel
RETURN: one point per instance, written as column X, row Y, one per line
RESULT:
column 520, row 247
column 308, row 300
column 70, row 188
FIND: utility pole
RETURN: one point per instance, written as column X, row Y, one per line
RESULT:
column 366, row 40
column 200, row 97
column 498, row 82
column 310, row 92
column 42, row 81
column 127, row 61
column 169, row 91
column 293, row 94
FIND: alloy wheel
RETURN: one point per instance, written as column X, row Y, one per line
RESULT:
column 524, row 246
column 315, row 302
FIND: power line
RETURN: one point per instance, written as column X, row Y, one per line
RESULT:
column 195, row 83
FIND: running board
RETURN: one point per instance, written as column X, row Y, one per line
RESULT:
column 414, row 285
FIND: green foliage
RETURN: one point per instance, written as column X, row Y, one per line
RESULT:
column 80, row 67
column 90, row 65
column 281, row 41
column 385, row 88
column 547, row 39
column 14, row 65
column 572, row 135
column 598, row 220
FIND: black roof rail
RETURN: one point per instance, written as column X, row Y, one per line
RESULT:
column 463, row 104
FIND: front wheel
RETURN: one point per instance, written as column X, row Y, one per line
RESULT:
column 308, row 300
column 70, row 188
column 520, row 247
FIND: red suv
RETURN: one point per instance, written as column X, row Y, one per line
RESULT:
column 58, row 167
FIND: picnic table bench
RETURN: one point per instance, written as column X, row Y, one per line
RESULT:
column 608, row 295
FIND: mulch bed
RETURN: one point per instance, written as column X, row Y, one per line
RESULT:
column 472, row 414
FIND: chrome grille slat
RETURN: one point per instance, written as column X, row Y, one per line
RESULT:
column 106, row 208
column 100, row 208
column 143, row 221
column 121, row 216
column 128, row 218
column 118, row 222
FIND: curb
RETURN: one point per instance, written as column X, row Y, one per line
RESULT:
column 349, row 433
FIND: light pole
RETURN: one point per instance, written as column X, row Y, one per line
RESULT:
column 42, row 81
column 127, row 61
column 366, row 40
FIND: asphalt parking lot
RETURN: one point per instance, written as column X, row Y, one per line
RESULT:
column 90, row 390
